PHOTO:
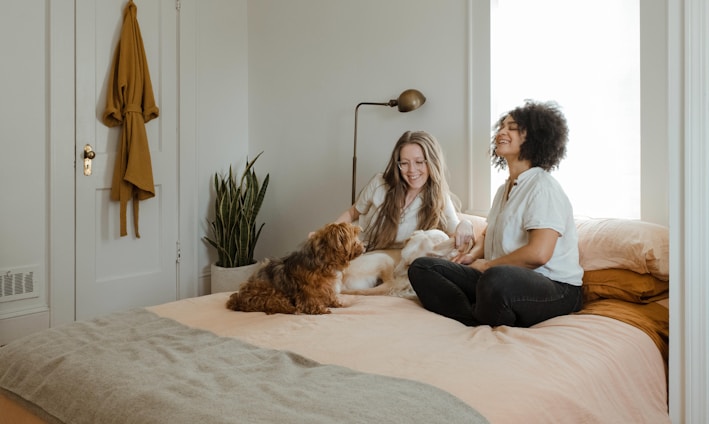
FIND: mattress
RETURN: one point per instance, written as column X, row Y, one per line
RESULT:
column 576, row 368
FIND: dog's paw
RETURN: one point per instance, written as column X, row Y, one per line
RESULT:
column 346, row 302
column 314, row 309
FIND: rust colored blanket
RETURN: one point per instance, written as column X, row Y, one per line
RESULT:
column 652, row 318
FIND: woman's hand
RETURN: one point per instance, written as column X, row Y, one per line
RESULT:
column 468, row 254
column 464, row 235
column 469, row 259
column 481, row 265
column 349, row 216
column 532, row 255
column 464, row 258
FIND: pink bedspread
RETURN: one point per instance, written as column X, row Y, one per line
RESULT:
column 577, row 368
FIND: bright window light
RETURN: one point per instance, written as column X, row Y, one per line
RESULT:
column 585, row 55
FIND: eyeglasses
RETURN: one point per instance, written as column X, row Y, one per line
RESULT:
column 406, row 165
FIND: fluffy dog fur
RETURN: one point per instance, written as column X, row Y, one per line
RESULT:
column 379, row 273
column 370, row 269
column 306, row 281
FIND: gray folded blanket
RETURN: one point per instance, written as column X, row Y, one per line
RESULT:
column 137, row 367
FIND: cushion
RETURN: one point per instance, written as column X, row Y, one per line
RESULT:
column 633, row 245
column 623, row 284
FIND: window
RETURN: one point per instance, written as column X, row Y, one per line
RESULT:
column 585, row 55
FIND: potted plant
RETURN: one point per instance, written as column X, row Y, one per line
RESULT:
column 233, row 231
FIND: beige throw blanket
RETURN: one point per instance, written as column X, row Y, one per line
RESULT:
column 138, row 367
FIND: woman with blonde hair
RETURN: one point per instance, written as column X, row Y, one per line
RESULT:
column 412, row 194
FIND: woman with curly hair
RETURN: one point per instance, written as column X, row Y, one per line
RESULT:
column 412, row 194
column 526, row 269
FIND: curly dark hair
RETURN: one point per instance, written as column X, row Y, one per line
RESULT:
column 546, row 134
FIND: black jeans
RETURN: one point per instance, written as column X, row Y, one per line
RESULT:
column 502, row 295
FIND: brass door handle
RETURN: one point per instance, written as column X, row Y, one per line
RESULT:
column 88, row 155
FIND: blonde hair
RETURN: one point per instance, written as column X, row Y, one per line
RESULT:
column 383, row 230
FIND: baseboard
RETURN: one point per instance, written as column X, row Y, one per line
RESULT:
column 16, row 327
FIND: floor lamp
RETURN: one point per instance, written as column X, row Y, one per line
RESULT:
column 407, row 101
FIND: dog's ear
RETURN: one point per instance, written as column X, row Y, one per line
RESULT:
column 337, row 234
column 346, row 240
column 332, row 236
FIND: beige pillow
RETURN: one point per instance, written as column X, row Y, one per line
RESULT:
column 634, row 245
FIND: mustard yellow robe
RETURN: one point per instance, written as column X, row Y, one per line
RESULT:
column 130, row 102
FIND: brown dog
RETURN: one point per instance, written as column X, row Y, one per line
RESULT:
column 305, row 281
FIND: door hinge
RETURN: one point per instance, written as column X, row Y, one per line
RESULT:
column 177, row 5
column 178, row 253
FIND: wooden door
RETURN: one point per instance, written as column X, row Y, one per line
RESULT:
column 113, row 272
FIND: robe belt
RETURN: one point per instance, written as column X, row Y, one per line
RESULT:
column 132, row 108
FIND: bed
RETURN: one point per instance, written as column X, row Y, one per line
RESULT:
column 378, row 359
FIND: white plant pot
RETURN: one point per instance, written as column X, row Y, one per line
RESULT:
column 230, row 279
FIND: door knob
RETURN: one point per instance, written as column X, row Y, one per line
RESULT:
column 88, row 155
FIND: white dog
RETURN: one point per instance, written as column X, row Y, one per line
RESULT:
column 369, row 270
column 383, row 272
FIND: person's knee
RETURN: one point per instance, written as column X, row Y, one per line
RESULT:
column 493, row 285
column 423, row 262
column 420, row 272
column 499, row 272
column 489, row 292
column 419, row 265
column 415, row 269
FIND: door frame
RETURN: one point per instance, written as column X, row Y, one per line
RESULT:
column 64, row 155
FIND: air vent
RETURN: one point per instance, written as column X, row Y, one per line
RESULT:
column 18, row 283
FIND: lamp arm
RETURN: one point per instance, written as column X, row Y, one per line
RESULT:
column 407, row 101
column 390, row 103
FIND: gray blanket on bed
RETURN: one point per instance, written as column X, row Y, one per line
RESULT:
column 136, row 367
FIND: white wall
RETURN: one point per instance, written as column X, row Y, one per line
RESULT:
column 24, row 159
column 311, row 62
column 314, row 60
column 654, row 110
column 218, row 85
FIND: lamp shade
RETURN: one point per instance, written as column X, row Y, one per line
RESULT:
column 409, row 100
